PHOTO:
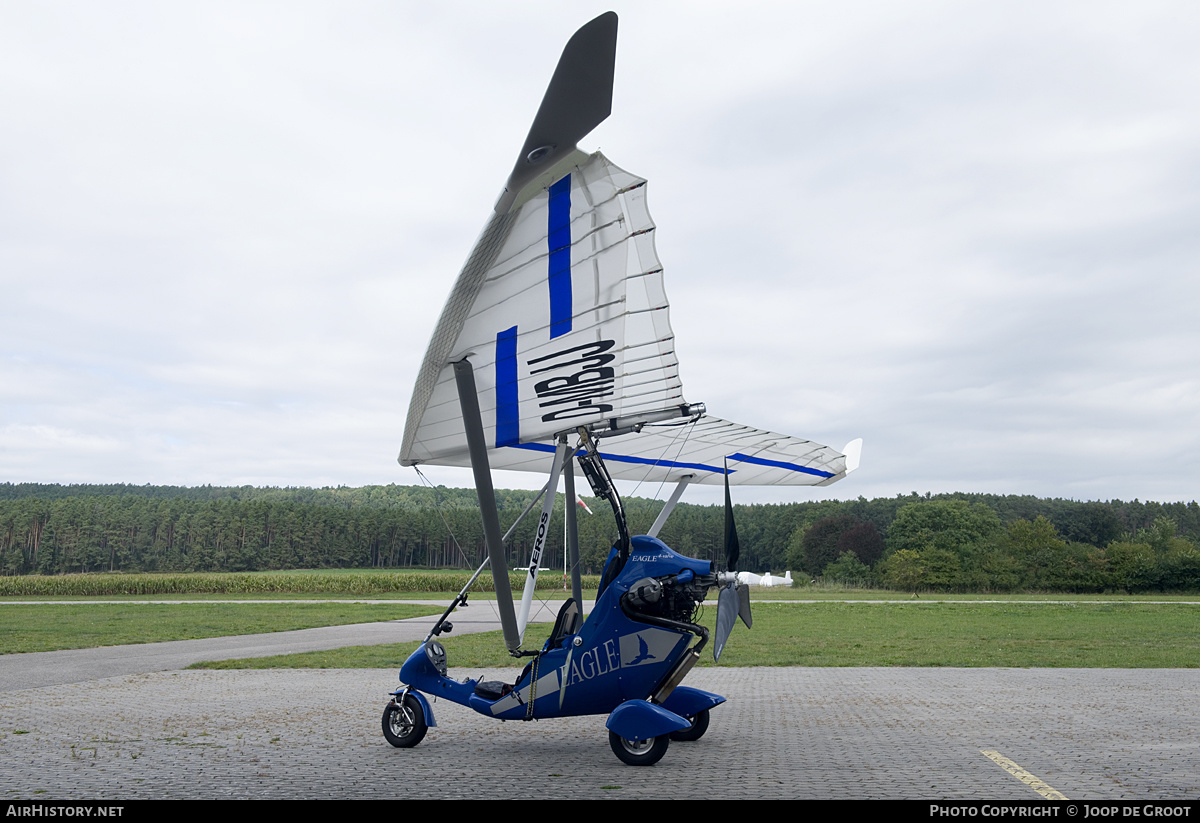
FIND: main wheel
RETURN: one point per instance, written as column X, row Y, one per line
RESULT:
column 404, row 725
column 699, row 727
column 639, row 752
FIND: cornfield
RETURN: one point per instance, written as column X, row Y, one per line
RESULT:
column 344, row 582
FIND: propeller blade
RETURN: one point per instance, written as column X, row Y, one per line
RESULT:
column 733, row 548
column 744, row 606
column 727, row 615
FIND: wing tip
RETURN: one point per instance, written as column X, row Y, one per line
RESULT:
column 578, row 98
column 853, row 452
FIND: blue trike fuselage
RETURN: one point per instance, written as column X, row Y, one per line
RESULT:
column 612, row 659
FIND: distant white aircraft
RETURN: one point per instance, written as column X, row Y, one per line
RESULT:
column 768, row 579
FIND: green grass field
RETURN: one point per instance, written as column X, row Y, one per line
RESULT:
column 67, row 625
column 978, row 630
column 1020, row 635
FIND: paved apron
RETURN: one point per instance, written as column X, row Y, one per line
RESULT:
column 794, row 732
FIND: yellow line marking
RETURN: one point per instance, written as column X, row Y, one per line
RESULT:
column 1025, row 777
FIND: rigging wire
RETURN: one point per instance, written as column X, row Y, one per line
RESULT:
column 437, row 507
column 542, row 603
column 687, row 427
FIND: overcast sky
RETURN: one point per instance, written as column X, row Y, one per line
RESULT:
column 968, row 233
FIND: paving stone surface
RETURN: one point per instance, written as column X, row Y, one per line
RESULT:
column 785, row 733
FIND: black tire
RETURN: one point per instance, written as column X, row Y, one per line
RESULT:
column 639, row 752
column 404, row 725
column 699, row 727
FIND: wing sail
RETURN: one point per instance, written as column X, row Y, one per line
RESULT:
column 562, row 313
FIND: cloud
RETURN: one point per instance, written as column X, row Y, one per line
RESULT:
column 965, row 233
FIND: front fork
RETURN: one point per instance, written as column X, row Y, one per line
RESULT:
column 399, row 696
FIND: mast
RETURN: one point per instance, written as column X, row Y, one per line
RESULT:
column 468, row 399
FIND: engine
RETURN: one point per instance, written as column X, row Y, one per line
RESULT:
column 673, row 597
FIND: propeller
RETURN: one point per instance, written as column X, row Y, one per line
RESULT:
column 734, row 600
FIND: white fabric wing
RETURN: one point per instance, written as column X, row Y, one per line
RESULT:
column 562, row 314
column 561, row 311
column 697, row 451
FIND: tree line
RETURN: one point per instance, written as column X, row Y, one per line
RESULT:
column 955, row 545
column 952, row 542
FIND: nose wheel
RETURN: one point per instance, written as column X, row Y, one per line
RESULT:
column 404, row 722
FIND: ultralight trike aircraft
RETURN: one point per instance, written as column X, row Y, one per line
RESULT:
column 555, row 339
